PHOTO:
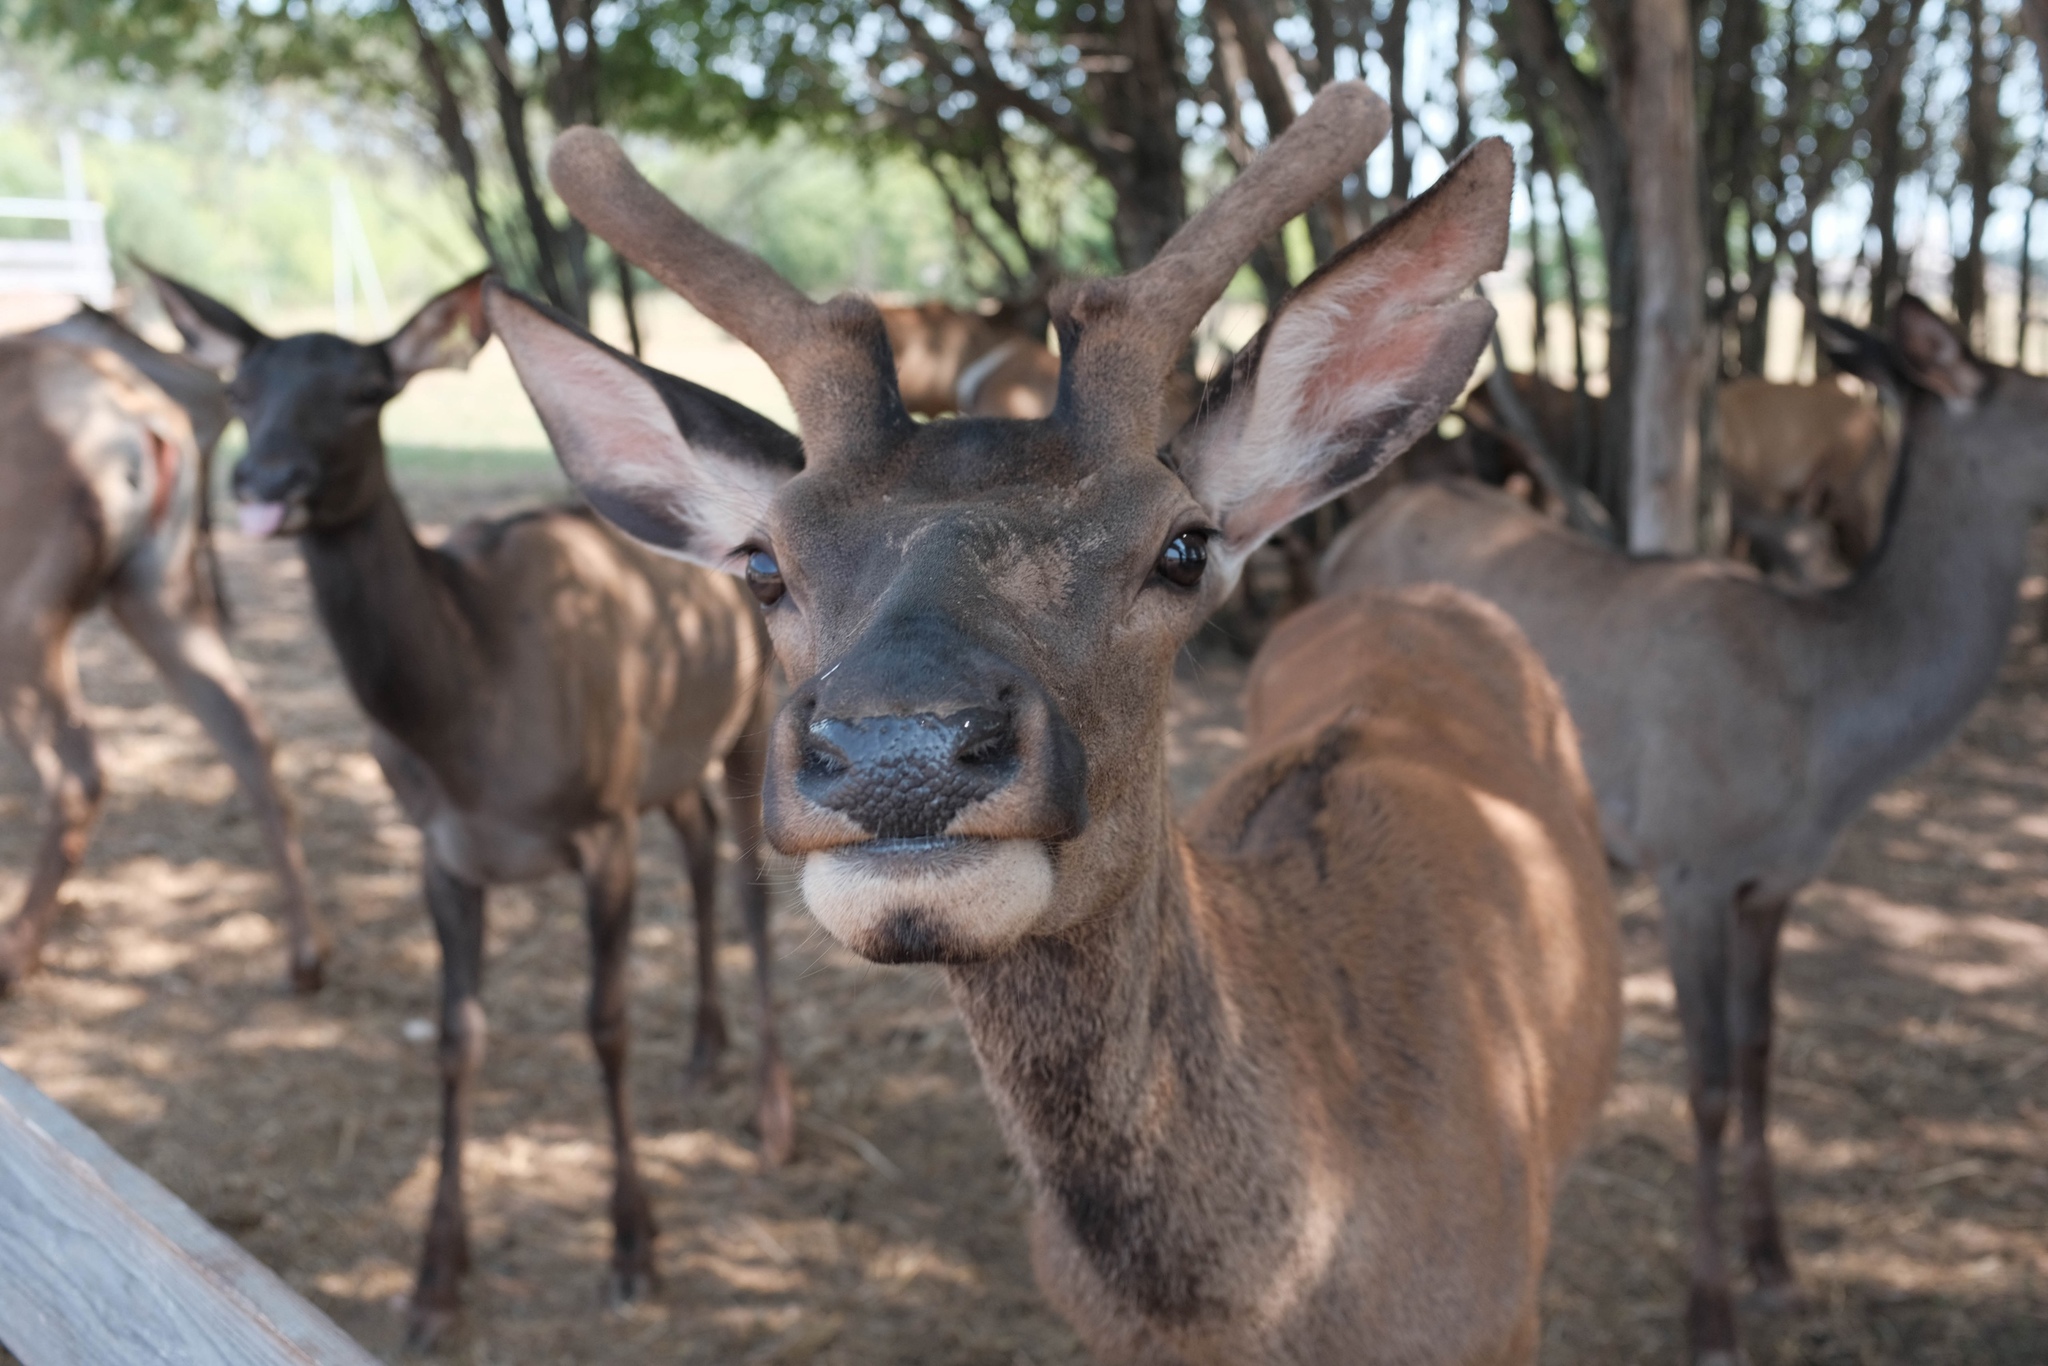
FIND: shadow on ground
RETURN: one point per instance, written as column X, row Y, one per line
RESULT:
column 1912, row 1123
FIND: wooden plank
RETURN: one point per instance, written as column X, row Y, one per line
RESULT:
column 100, row 1264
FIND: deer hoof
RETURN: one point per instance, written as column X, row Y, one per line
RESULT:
column 1710, row 1326
column 309, row 972
column 1781, row 1296
column 18, row 961
column 426, row 1325
column 623, row 1288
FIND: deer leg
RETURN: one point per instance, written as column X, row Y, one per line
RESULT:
column 195, row 663
column 457, row 908
column 1757, row 927
column 1696, row 934
column 697, row 829
column 42, row 713
column 775, row 1114
column 606, row 855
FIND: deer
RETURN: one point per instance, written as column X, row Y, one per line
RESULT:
column 1733, row 728
column 103, row 496
column 951, row 360
column 1808, row 466
column 533, row 685
column 1293, row 1079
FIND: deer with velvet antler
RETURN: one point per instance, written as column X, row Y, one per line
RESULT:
column 1292, row 1079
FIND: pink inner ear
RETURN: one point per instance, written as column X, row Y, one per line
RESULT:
column 1359, row 370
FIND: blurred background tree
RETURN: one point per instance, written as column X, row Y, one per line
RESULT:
column 1840, row 150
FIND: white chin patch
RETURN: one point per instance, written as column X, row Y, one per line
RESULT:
column 949, row 903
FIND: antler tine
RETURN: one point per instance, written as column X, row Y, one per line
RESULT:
column 1124, row 333
column 833, row 357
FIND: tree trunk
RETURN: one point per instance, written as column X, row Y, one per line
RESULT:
column 1888, row 130
column 1981, row 140
column 1394, row 48
column 1142, row 103
column 1460, row 86
column 2026, row 264
column 1539, row 293
column 1594, row 113
column 1664, row 192
column 448, row 126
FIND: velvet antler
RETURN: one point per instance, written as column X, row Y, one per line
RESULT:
column 832, row 357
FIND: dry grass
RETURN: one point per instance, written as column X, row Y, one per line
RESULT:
column 1912, row 1126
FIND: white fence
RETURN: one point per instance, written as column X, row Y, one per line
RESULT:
column 77, row 263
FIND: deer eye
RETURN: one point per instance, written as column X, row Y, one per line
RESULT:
column 764, row 577
column 1184, row 559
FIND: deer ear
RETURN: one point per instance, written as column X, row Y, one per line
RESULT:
column 677, row 467
column 1933, row 356
column 1357, row 363
column 1854, row 351
column 215, row 335
column 445, row 334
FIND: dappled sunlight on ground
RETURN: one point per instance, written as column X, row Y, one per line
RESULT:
column 1911, row 1124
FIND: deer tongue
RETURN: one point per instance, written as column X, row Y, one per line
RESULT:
column 261, row 520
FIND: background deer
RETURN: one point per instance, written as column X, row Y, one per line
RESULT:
column 533, row 685
column 1732, row 729
column 104, row 471
column 1808, row 465
column 951, row 360
column 1291, row 1082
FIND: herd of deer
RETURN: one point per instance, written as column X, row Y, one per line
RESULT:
column 1293, row 1078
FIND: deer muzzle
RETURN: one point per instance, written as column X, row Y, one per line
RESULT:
column 928, row 835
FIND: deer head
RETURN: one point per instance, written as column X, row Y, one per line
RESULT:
column 979, row 616
column 1996, row 416
column 311, row 403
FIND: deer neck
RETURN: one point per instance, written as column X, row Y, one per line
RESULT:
column 1913, row 643
column 391, row 606
column 1111, row 1056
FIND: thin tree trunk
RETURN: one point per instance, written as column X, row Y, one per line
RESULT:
column 1539, row 331
column 1979, row 164
column 511, row 106
column 1142, row 103
column 1664, row 193
column 1460, row 79
column 1884, row 205
column 2026, row 264
column 448, row 126
column 1395, row 50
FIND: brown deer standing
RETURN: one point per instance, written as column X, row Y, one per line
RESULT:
column 103, row 485
column 533, row 685
column 1295, row 1081
column 1732, row 729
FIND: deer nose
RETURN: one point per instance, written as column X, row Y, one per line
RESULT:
column 907, row 777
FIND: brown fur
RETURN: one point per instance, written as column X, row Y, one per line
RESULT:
column 1293, row 1084
column 101, row 492
column 534, row 685
column 1335, row 1056
column 1733, row 728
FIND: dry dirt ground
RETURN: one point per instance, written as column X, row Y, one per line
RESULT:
column 1912, row 1075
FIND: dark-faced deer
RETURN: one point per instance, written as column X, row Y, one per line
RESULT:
column 103, row 481
column 533, row 685
column 1733, row 729
column 1293, row 1081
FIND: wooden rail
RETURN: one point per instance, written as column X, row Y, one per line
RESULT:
column 101, row 1265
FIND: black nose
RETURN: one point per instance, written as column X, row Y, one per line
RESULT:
column 907, row 777
column 264, row 482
